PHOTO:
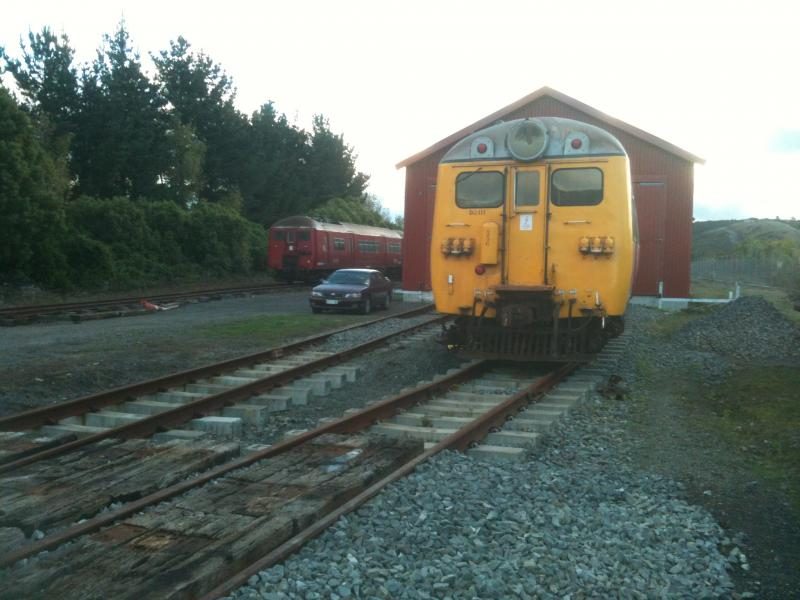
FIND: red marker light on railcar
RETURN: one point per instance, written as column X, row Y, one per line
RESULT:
column 482, row 148
column 576, row 143
column 480, row 269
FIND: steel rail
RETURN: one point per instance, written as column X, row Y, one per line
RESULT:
column 352, row 423
column 48, row 415
column 460, row 440
column 151, row 424
column 40, row 309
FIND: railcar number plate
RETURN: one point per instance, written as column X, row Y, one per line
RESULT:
column 331, row 302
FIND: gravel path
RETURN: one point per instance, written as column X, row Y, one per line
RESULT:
column 50, row 362
column 676, row 431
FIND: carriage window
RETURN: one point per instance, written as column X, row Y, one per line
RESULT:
column 393, row 247
column 303, row 236
column 526, row 192
column 279, row 236
column 368, row 247
column 576, row 187
column 479, row 189
column 338, row 244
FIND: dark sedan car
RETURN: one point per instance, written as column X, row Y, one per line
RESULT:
column 347, row 289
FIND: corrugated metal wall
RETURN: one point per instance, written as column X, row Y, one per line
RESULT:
column 649, row 164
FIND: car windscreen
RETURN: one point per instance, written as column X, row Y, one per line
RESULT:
column 349, row 278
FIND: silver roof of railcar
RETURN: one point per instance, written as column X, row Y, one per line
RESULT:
column 300, row 222
column 560, row 135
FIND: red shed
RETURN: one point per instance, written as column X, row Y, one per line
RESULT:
column 663, row 188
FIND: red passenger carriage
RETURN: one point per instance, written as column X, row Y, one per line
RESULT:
column 302, row 248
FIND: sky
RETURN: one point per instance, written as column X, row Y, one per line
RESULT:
column 718, row 79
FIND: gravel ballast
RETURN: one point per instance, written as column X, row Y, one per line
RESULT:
column 575, row 520
column 602, row 508
column 748, row 329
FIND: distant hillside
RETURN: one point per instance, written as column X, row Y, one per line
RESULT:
column 749, row 237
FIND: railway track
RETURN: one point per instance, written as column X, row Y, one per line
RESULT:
column 206, row 534
column 130, row 306
column 219, row 398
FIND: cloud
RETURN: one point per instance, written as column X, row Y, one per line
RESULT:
column 786, row 140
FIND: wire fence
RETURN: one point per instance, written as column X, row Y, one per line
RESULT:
column 776, row 272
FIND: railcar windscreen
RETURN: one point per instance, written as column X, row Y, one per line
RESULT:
column 479, row 189
column 576, row 187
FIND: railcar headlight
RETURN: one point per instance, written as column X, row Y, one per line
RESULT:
column 527, row 140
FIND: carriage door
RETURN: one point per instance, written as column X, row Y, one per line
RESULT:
column 525, row 225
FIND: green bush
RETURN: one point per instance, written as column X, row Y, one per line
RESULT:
column 91, row 263
column 118, row 242
column 32, row 188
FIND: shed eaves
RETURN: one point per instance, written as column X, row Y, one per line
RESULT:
column 568, row 100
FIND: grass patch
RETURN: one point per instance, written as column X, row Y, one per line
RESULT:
column 758, row 410
column 278, row 329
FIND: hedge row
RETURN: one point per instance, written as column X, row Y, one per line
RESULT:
column 118, row 243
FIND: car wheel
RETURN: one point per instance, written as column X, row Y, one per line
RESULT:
column 367, row 306
column 316, row 310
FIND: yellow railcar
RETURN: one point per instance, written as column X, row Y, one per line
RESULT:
column 533, row 245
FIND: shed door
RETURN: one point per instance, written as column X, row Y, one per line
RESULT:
column 651, row 212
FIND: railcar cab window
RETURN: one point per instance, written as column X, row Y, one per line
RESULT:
column 303, row 236
column 278, row 236
column 576, row 187
column 526, row 189
column 479, row 189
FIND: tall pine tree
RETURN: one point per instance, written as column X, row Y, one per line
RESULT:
column 120, row 146
column 202, row 96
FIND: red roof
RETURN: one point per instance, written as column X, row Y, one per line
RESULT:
column 576, row 104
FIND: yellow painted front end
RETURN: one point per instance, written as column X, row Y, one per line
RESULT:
column 585, row 253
